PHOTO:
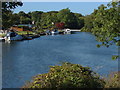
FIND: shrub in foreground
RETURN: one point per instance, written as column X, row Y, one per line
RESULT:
column 113, row 81
column 67, row 76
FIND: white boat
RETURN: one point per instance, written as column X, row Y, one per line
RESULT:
column 67, row 31
column 55, row 32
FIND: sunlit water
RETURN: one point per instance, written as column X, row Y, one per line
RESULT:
column 24, row 59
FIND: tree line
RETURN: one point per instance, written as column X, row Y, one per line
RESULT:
column 43, row 20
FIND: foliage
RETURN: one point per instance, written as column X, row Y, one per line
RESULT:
column 104, row 23
column 113, row 81
column 80, row 22
column 36, row 15
column 88, row 20
column 42, row 20
column 24, row 18
column 2, row 35
column 47, row 20
column 67, row 17
column 60, row 25
column 7, row 14
column 10, row 5
column 67, row 76
column 7, row 19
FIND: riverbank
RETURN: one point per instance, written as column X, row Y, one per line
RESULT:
column 28, row 35
column 31, row 35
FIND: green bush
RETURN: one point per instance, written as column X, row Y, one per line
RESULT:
column 67, row 76
column 2, row 35
column 113, row 81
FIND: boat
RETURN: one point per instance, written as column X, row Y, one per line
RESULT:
column 67, row 31
column 2, row 39
column 29, row 38
column 12, row 36
column 54, row 32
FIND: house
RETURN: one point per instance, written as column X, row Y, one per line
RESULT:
column 22, row 27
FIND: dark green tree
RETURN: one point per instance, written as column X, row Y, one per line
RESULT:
column 106, row 25
column 80, row 20
column 36, row 16
column 24, row 18
column 88, row 23
column 67, row 17
column 49, row 19
column 7, row 8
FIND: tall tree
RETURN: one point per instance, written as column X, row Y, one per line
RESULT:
column 88, row 23
column 24, row 18
column 106, row 25
column 80, row 20
column 7, row 8
column 67, row 17
column 49, row 19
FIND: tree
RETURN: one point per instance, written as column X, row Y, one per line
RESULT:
column 10, row 5
column 36, row 16
column 88, row 23
column 60, row 25
column 48, row 18
column 80, row 20
column 16, row 18
column 68, row 18
column 24, row 18
column 7, row 8
column 106, row 25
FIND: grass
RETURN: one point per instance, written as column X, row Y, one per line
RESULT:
column 2, row 35
column 25, row 32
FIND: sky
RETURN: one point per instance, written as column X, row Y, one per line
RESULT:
column 85, row 8
column 67, row 0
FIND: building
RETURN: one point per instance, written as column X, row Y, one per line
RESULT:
column 22, row 27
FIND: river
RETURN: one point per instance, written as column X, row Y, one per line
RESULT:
column 22, row 60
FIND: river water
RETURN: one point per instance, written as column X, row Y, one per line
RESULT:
column 24, row 59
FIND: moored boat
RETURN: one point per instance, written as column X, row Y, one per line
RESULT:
column 54, row 32
column 13, row 36
column 2, row 39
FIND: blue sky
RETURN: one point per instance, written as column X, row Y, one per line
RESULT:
column 85, row 8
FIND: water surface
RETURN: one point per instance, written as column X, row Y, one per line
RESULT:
column 24, row 59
